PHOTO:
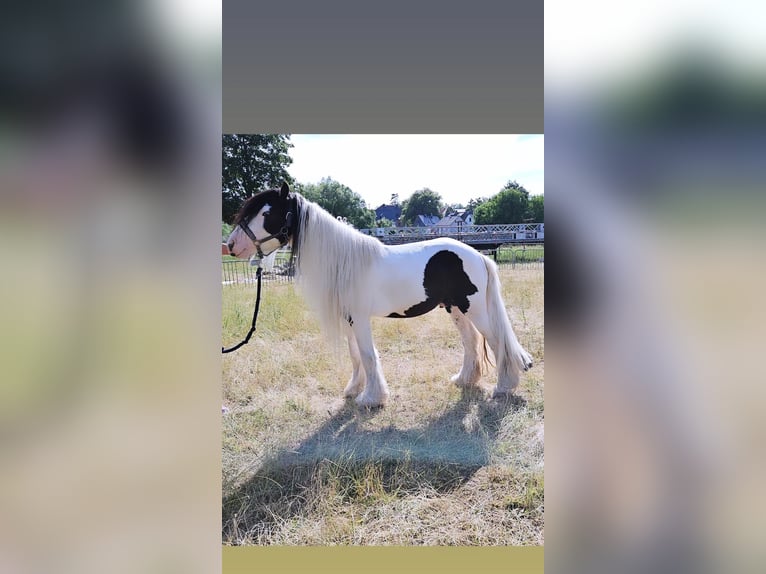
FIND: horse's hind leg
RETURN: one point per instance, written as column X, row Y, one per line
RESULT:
column 358, row 378
column 471, row 371
column 375, row 392
column 498, row 333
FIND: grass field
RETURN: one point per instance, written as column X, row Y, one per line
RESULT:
column 436, row 466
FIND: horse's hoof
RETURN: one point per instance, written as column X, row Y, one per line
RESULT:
column 369, row 402
column 371, row 407
column 466, row 385
column 458, row 381
column 353, row 389
column 351, row 394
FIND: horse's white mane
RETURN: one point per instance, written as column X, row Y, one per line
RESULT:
column 332, row 258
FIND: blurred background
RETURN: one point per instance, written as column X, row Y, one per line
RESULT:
column 655, row 122
column 109, row 207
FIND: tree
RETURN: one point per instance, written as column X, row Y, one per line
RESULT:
column 514, row 185
column 508, row 206
column 340, row 201
column 384, row 222
column 452, row 208
column 423, row 202
column 474, row 203
column 252, row 163
column 535, row 209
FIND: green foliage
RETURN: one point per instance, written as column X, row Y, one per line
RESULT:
column 423, row 202
column 474, row 203
column 384, row 222
column 340, row 201
column 252, row 163
column 535, row 209
column 226, row 230
column 508, row 206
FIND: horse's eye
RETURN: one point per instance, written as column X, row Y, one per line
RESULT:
column 265, row 213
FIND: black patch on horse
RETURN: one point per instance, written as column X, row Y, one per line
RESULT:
column 445, row 283
column 273, row 219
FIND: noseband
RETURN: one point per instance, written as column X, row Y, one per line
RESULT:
column 283, row 236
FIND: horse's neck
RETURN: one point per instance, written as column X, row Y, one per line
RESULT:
column 342, row 238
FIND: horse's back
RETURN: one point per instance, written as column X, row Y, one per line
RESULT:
column 410, row 274
column 435, row 245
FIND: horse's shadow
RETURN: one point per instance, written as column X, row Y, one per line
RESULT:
column 440, row 456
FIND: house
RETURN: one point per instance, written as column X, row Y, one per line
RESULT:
column 390, row 212
column 457, row 217
column 425, row 220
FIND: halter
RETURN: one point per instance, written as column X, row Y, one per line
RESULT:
column 283, row 236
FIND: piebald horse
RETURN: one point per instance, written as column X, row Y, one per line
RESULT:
column 348, row 277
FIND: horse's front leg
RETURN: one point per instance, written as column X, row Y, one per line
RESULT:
column 358, row 378
column 375, row 392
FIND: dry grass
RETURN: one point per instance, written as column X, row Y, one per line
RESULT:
column 437, row 465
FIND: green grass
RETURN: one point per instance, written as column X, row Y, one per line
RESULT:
column 437, row 465
column 530, row 495
column 526, row 254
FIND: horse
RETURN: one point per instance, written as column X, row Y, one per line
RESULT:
column 348, row 277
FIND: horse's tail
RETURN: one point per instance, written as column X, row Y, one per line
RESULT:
column 510, row 356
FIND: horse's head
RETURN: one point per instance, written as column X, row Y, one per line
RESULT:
column 266, row 222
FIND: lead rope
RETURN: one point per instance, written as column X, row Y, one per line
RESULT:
column 255, row 317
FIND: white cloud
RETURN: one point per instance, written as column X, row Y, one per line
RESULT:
column 459, row 167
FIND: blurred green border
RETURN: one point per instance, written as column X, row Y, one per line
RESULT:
column 383, row 560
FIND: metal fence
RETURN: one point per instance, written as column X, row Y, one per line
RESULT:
column 525, row 256
column 237, row 272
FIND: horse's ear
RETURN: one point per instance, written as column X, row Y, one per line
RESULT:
column 285, row 191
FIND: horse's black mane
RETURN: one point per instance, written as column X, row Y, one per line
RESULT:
column 297, row 205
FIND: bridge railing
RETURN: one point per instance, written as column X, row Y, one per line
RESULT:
column 477, row 233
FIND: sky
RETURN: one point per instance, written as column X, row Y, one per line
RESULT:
column 458, row 167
